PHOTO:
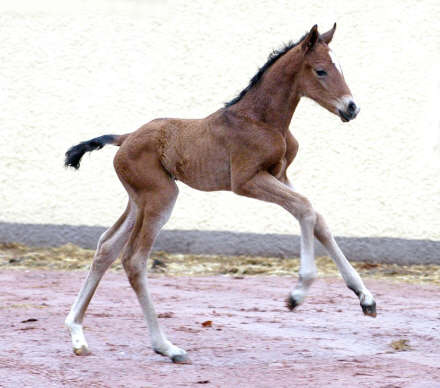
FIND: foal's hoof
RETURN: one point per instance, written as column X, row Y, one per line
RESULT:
column 82, row 351
column 370, row 309
column 291, row 302
column 181, row 359
column 295, row 298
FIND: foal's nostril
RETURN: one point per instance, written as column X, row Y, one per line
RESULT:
column 352, row 107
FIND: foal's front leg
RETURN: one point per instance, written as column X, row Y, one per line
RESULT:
column 349, row 274
column 351, row 277
column 267, row 188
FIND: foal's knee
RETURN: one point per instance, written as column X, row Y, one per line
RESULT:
column 322, row 232
column 306, row 215
column 302, row 209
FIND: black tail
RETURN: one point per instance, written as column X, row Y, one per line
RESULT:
column 75, row 153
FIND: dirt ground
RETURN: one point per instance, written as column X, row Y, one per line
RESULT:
column 253, row 340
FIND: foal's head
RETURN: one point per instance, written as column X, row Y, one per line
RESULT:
column 321, row 77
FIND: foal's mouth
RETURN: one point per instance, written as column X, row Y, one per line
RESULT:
column 345, row 117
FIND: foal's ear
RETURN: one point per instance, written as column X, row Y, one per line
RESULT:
column 328, row 36
column 310, row 39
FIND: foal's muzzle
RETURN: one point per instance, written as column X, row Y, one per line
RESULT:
column 349, row 113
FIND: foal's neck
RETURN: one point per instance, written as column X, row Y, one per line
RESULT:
column 274, row 99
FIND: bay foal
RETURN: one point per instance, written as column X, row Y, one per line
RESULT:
column 244, row 147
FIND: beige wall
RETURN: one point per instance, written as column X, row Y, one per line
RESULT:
column 75, row 71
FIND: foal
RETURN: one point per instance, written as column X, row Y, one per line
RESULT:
column 244, row 147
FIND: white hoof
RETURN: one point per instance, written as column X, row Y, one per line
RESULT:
column 79, row 343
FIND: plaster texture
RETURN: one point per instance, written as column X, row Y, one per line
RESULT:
column 70, row 71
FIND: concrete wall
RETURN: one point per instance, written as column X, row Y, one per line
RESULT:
column 70, row 71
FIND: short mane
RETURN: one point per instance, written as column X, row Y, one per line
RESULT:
column 273, row 57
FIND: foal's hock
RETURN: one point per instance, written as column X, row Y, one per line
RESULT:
column 244, row 147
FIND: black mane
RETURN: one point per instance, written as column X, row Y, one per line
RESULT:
column 273, row 57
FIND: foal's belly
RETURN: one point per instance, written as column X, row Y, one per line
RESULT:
column 198, row 160
column 204, row 174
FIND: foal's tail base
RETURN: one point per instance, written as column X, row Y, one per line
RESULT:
column 75, row 153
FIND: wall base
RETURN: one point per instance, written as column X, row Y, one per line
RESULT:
column 376, row 249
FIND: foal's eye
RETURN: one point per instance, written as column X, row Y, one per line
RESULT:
column 321, row 73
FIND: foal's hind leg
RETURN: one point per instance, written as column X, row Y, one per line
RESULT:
column 155, row 207
column 109, row 246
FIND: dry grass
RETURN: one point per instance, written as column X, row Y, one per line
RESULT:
column 71, row 257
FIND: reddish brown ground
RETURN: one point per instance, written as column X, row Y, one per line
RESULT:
column 253, row 342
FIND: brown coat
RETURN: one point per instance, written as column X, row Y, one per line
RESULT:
column 245, row 147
